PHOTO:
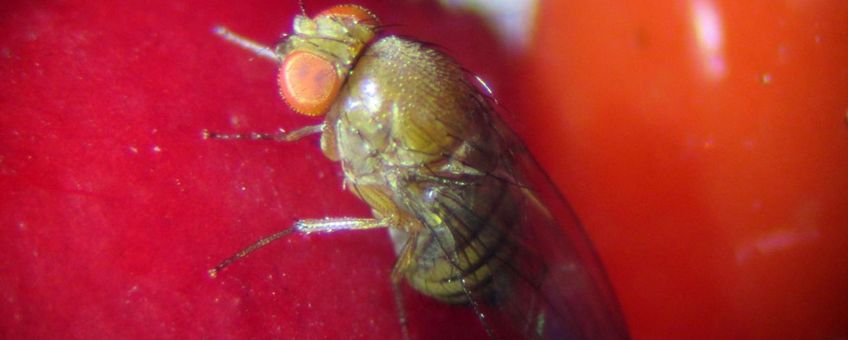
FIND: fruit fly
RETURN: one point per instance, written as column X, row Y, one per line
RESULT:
column 473, row 218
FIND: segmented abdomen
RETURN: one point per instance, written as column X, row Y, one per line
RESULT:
column 467, row 239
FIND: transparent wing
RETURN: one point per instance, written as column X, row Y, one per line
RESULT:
column 559, row 285
column 513, row 243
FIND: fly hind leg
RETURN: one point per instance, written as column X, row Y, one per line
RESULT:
column 325, row 225
column 404, row 262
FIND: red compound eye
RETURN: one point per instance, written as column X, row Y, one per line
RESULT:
column 354, row 12
column 308, row 83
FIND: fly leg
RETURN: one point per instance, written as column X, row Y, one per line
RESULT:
column 404, row 261
column 304, row 227
column 250, row 45
column 327, row 225
column 279, row 136
column 268, row 53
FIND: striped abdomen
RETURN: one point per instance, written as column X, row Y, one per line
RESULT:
column 467, row 236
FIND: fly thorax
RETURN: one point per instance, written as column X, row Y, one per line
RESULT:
column 363, row 125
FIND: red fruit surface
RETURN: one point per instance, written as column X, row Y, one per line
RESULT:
column 711, row 173
column 704, row 144
column 114, row 208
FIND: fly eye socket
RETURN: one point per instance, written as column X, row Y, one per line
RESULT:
column 351, row 12
column 308, row 83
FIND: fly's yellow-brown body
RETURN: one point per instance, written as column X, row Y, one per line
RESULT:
column 416, row 143
column 422, row 145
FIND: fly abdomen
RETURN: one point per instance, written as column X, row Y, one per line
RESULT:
column 466, row 241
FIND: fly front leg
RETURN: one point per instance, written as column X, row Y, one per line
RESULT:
column 325, row 225
column 279, row 136
column 248, row 44
column 268, row 53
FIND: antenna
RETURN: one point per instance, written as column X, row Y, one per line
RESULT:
column 302, row 8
